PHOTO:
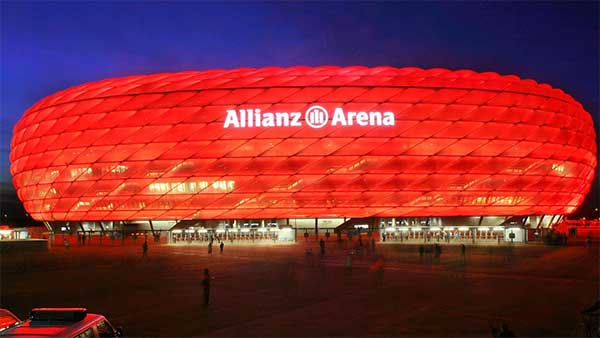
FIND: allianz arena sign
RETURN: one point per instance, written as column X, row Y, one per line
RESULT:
column 315, row 116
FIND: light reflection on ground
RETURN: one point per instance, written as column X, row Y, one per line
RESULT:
column 271, row 290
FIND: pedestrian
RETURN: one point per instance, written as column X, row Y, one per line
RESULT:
column 322, row 246
column 590, row 320
column 221, row 247
column 383, row 237
column 379, row 275
column 421, row 252
column 463, row 250
column 210, row 247
column 145, row 249
column 309, row 257
column 360, row 243
column 306, row 235
column 506, row 332
column 494, row 331
column 206, row 287
column 66, row 242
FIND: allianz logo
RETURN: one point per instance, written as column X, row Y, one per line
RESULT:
column 314, row 116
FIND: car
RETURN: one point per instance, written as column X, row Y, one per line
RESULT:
column 8, row 319
column 64, row 323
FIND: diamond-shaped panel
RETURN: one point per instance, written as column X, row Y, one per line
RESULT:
column 156, row 146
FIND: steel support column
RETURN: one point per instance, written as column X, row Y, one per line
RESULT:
column 551, row 221
column 540, row 222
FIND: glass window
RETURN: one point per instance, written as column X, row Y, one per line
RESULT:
column 89, row 333
column 104, row 329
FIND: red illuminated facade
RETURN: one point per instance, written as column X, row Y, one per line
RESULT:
column 383, row 142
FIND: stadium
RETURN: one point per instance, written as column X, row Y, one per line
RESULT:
column 406, row 153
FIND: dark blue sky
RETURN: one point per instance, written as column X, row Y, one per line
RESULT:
column 48, row 46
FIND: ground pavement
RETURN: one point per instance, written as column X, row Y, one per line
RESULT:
column 266, row 290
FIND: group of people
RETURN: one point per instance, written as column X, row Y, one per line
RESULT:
column 80, row 241
column 221, row 246
column 436, row 250
column 503, row 331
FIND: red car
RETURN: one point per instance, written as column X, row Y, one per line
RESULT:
column 62, row 322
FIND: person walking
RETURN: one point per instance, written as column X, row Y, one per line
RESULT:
column 210, row 247
column 380, row 263
column 590, row 320
column 322, row 246
column 506, row 332
column 206, row 288
column 349, row 260
column 221, row 246
column 145, row 249
column 437, row 249
column 372, row 246
column 463, row 250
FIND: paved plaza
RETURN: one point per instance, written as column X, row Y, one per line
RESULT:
column 279, row 290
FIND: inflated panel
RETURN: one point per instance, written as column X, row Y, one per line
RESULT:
column 303, row 142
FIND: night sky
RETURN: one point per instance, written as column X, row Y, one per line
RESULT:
column 48, row 46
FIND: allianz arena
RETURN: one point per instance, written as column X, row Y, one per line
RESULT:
column 305, row 143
